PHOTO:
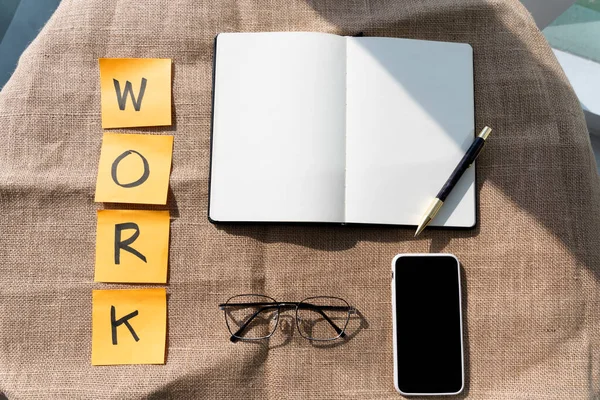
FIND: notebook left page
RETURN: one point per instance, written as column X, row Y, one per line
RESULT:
column 278, row 141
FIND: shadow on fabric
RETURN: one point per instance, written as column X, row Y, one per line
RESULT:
column 533, row 159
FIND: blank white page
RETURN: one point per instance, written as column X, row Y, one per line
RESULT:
column 410, row 119
column 279, row 128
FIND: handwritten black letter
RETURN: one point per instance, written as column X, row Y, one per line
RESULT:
column 115, row 323
column 143, row 178
column 122, row 97
column 124, row 244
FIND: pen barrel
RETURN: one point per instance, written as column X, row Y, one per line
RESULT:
column 462, row 166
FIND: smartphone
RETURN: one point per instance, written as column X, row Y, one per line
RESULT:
column 427, row 323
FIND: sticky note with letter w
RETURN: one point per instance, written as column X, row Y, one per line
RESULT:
column 135, row 92
column 129, row 326
column 134, row 168
column 132, row 246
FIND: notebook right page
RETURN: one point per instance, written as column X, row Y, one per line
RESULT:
column 409, row 121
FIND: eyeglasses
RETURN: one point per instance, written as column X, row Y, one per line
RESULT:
column 255, row 317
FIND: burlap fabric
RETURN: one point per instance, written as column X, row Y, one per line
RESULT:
column 530, row 269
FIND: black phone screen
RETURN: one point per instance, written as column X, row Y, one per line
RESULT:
column 428, row 325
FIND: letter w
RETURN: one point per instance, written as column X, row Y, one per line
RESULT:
column 122, row 97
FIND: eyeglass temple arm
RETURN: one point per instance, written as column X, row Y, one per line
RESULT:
column 223, row 306
column 234, row 338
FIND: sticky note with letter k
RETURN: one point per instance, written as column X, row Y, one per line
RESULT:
column 135, row 92
column 129, row 326
column 132, row 246
column 134, row 168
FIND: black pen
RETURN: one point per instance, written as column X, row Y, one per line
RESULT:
column 462, row 166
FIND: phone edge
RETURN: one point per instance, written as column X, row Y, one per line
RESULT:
column 394, row 337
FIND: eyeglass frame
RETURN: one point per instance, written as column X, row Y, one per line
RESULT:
column 289, row 304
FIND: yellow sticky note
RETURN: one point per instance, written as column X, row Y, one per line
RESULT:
column 132, row 246
column 134, row 168
column 129, row 326
column 135, row 92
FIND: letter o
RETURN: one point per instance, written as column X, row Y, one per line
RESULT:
column 142, row 179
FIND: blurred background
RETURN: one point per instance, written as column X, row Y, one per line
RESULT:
column 20, row 22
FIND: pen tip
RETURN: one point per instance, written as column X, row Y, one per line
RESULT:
column 420, row 229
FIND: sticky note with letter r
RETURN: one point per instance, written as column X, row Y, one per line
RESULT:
column 134, row 168
column 129, row 326
column 135, row 92
column 132, row 246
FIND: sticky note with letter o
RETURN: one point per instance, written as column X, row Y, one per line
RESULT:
column 132, row 246
column 129, row 326
column 134, row 168
column 135, row 92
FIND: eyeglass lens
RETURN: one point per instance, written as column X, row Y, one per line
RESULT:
column 251, row 316
column 322, row 318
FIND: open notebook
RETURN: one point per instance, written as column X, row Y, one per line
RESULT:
column 314, row 127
